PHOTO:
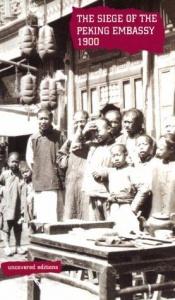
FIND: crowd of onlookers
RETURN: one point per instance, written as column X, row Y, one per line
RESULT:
column 115, row 170
column 109, row 170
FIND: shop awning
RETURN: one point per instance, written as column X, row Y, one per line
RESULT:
column 15, row 120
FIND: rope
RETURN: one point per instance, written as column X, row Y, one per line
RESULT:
column 26, row 9
column 104, row 4
column 16, row 81
column 28, row 70
column 45, row 12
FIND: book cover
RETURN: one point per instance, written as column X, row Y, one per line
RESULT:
column 72, row 56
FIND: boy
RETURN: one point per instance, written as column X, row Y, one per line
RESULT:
column 125, row 194
column 27, row 192
column 163, row 184
column 163, row 177
column 145, row 148
column 99, row 131
column 169, row 125
column 11, row 203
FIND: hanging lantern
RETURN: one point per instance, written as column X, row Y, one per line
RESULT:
column 44, row 93
column 27, row 36
column 52, row 93
column 48, row 93
column 44, row 90
column 46, row 42
column 28, row 89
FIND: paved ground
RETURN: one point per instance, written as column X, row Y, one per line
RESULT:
column 24, row 242
column 16, row 289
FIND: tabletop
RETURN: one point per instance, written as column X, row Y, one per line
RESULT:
column 83, row 244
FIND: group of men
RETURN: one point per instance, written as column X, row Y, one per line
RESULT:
column 68, row 178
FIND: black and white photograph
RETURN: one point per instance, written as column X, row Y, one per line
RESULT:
column 87, row 155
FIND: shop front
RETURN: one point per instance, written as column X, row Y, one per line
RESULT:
column 16, row 125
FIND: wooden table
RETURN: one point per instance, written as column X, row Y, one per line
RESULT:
column 75, row 251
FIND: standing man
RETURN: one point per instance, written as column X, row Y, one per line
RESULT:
column 76, row 201
column 41, row 153
column 132, row 128
column 113, row 115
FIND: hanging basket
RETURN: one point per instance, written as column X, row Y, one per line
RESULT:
column 46, row 42
column 27, row 36
column 48, row 93
column 28, row 89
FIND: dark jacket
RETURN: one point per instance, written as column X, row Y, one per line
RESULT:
column 45, row 170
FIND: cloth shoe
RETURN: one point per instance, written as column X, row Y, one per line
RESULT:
column 8, row 251
column 20, row 250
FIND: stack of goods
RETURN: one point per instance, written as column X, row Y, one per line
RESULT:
column 43, row 43
column 28, row 89
column 27, row 37
column 46, row 42
column 48, row 93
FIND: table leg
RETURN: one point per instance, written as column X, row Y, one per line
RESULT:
column 125, row 280
column 107, row 284
column 33, row 290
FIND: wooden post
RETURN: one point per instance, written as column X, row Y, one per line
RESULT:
column 61, row 117
column 157, row 294
column 107, row 283
column 70, row 91
column 125, row 280
column 19, row 65
column 33, row 290
column 169, row 285
column 148, row 91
